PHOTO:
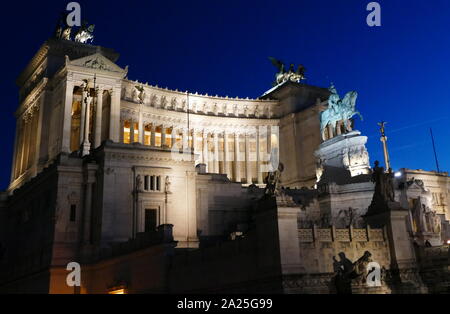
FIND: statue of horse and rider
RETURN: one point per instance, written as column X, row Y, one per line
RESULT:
column 339, row 110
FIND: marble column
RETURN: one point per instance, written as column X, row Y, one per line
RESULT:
column 114, row 124
column 237, row 165
column 83, row 118
column 248, row 170
column 33, row 137
column 185, row 140
column 258, row 156
column 270, row 167
column 153, row 135
column 86, row 144
column 141, row 125
column 216, row 152
column 205, row 149
column 98, row 118
column 67, row 117
column 15, row 153
column 194, row 140
column 122, row 127
column 174, row 137
column 21, row 146
column 163, row 136
column 131, row 131
column 25, row 145
column 226, row 157
column 147, row 182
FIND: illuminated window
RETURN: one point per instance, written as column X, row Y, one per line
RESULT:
column 126, row 132
column 178, row 140
column 191, row 136
column 75, row 126
column 152, row 183
column 147, row 135
column 158, row 137
column 168, row 137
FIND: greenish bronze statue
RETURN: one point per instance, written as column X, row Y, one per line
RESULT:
column 339, row 110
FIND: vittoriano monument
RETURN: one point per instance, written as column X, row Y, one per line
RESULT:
column 343, row 147
column 115, row 174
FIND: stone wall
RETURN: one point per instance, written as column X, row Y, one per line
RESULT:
column 318, row 246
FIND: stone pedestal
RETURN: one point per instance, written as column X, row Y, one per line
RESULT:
column 346, row 151
column 404, row 271
column 394, row 219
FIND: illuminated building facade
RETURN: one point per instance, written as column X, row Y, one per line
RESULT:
column 158, row 190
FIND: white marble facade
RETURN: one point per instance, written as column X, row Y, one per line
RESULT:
column 136, row 132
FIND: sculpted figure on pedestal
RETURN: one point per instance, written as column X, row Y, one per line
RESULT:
column 346, row 271
column 273, row 180
column 384, row 184
column 339, row 110
column 384, row 193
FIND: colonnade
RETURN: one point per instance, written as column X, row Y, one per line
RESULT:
column 243, row 155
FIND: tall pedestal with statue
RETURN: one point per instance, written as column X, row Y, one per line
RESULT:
column 387, row 213
column 346, row 151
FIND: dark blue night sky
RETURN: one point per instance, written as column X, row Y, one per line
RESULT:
column 400, row 70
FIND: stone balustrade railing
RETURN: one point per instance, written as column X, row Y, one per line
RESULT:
column 175, row 100
column 332, row 234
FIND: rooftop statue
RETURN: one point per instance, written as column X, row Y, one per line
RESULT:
column 63, row 31
column 85, row 34
column 339, row 111
column 291, row 75
column 140, row 94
